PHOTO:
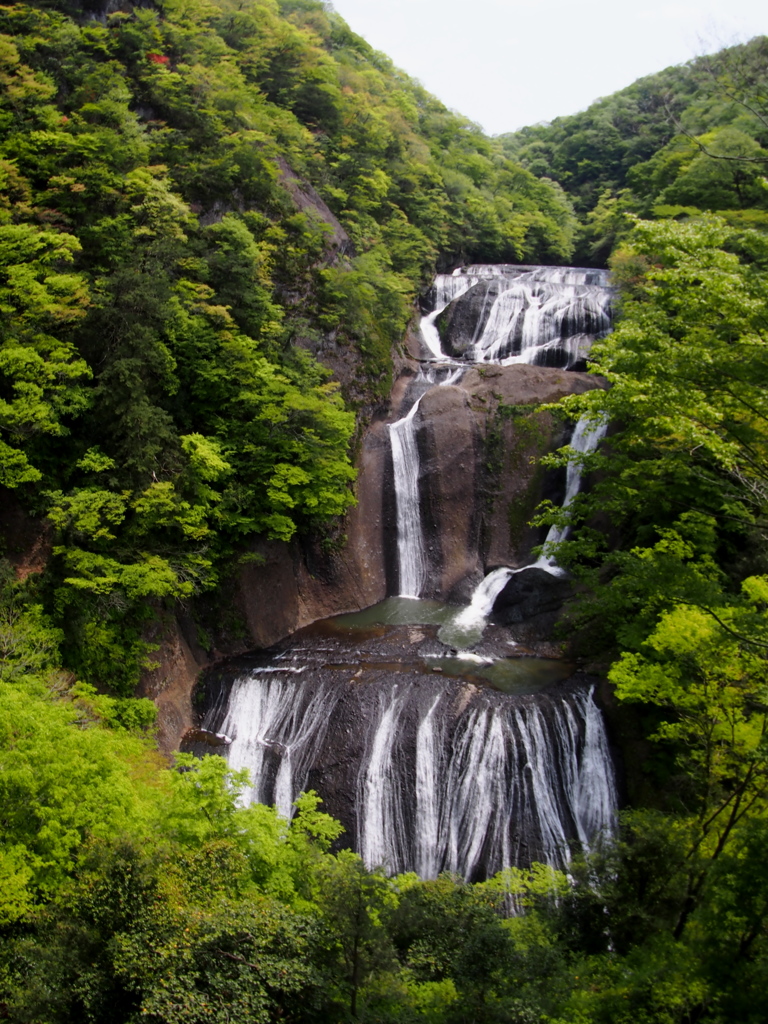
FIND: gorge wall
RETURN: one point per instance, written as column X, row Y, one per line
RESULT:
column 480, row 482
column 479, row 443
column 437, row 743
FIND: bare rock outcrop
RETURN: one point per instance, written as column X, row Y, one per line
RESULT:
column 451, row 449
column 506, row 401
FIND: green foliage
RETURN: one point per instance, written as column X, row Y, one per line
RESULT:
column 676, row 597
column 161, row 287
column 64, row 774
column 354, row 903
column 689, row 139
column 686, row 365
column 167, row 263
column 131, row 890
column 38, row 362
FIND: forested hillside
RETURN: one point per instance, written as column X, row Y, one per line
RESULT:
column 202, row 203
column 163, row 289
column 693, row 137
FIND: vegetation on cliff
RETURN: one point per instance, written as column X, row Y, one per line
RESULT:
column 671, row 552
column 169, row 261
column 671, row 546
column 198, row 199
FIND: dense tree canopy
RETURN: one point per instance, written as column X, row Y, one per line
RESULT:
column 672, row 555
column 197, row 198
column 690, row 138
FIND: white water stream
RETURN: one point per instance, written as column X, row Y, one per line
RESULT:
column 469, row 623
column 447, row 778
column 412, row 563
column 443, row 774
column 411, row 553
column 447, row 288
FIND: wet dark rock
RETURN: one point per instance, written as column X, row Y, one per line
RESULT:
column 200, row 742
column 530, row 593
column 464, row 319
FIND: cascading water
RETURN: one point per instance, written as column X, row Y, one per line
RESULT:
column 412, row 561
column 382, row 824
column 276, row 729
column 587, row 435
column 547, row 316
column 446, row 288
column 541, row 315
column 446, row 775
column 468, row 624
column 502, row 783
column 428, row 767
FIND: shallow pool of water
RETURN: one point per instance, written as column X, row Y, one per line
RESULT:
column 510, row 675
column 399, row 650
column 399, row 611
column 411, row 611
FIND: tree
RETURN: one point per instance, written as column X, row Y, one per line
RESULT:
column 681, row 490
column 353, row 903
column 707, row 667
column 41, row 371
column 687, row 365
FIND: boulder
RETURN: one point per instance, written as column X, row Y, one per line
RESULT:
column 463, row 320
column 529, row 593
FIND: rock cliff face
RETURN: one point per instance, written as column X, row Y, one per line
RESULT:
column 463, row 320
column 479, row 444
column 450, row 442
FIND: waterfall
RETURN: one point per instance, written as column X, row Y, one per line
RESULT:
column 592, row 793
column 449, row 777
column 276, row 726
column 506, row 782
column 446, row 288
column 382, row 831
column 428, row 772
column 429, row 742
column 587, row 435
column 542, row 315
column 412, row 561
column 467, row 626
column 472, row 618
column 412, row 564
column 547, row 316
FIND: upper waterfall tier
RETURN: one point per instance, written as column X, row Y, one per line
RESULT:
column 545, row 316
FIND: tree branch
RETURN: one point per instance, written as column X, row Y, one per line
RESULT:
column 738, row 636
column 707, row 152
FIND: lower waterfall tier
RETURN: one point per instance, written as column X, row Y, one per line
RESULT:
column 432, row 761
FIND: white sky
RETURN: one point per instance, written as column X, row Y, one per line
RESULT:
column 509, row 63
